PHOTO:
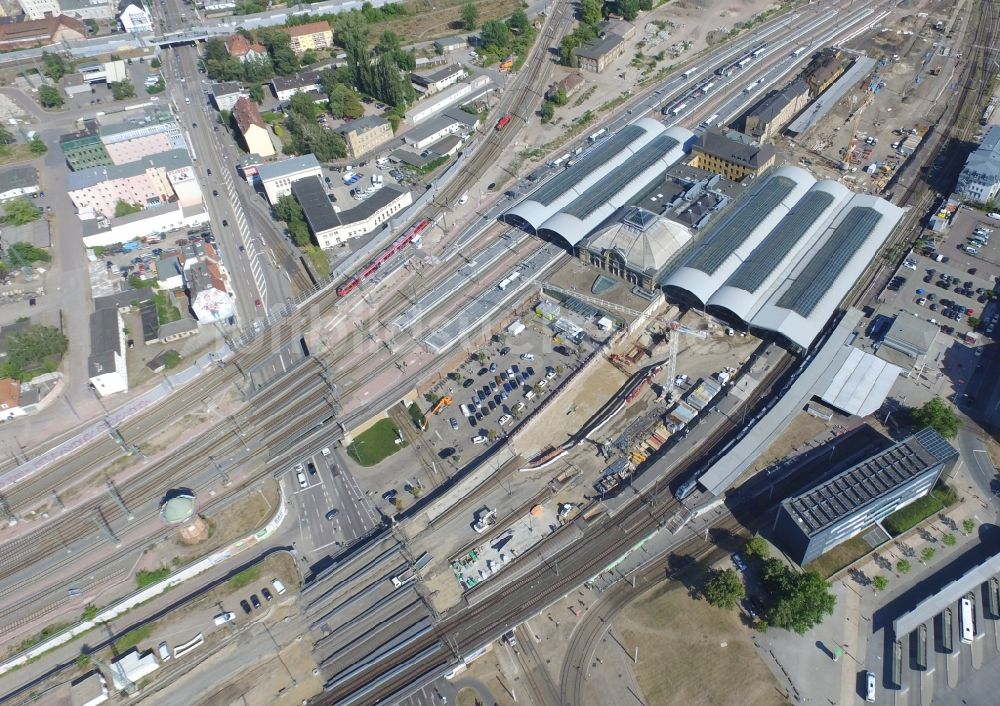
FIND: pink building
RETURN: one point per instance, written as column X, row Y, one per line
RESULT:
column 127, row 143
column 162, row 178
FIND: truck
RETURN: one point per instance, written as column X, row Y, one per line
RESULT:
column 484, row 520
column 598, row 135
column 131, row 246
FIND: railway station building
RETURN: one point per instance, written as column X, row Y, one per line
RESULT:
column 784, row 256
column 854, row 500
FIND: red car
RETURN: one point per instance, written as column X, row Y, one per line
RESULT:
column 257, row 302
column 969, row 312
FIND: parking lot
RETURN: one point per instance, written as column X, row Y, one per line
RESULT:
column 333, row 510
column 347, row 187
column 500, row 385
column 951, row 284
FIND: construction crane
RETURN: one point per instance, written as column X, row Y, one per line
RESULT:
column 441, row 404
column 677, row 328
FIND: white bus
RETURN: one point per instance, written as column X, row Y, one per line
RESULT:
column 966, row 625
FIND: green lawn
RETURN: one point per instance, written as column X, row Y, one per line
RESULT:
column 916, row 512
column 375, row 445
column 166, row 311
column 244, row 578
column 840, row 556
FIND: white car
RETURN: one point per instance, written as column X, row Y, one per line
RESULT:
column 995, row 216
column 223, row 618
column 326, row 451
column 303, row 483
column 504, row 419
column 479, row 439
column 463, row 198
column 527, row 356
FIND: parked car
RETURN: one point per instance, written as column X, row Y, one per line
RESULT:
column 267, row 594
column 246, row 607
column 332, row 513
column 255, row 600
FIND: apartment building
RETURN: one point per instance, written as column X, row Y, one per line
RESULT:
column 310, row 37
column 252, row 128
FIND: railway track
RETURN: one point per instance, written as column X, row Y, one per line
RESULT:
column 466, row 629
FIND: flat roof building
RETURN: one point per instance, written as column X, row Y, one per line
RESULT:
column 89, row 690
column 18, row 181
column 434, row 81
column 908, row 340
column 277, row 177
column 284, row 87
column 332, row 227
column 840, row 508
column 446, row 44
column 83, row 149
column 225, row 94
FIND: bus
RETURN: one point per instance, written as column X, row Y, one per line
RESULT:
column 966, row 624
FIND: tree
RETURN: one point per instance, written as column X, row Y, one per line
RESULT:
column 560, row 98
column 257, row 71
column 803, row 602
column 628, row 9
column 49, row 97
column 18, row 212
column 927, row 554
column 256, row 93
column 344, row 102
column 289, row 210
column 308, row 57
column 92, row 26
column 122, row 90
column 948, row 539
column 968, row 524
column 880, row 582
column 495, row 37
column 757, row 547
column 974, row 322
column 938, row 415
column 36, row 146
column 470, row 16
column 124, row 208
column 903, row 566
column 725, row 589
column 20, row 253
column 33, row 348
column 548, row 111
column 590, row 11
column 566, row 55
column 54, row 66
column 519, row 23
column 303, row 104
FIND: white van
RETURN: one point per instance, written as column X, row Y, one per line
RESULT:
column 164, row 650
column 278, row 586
column 223, row 618
column 869, row 686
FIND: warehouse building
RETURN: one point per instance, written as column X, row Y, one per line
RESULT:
column 769, row 116
column 597, row 54
column 616, row 170
column 844, row 506
column 365, row 134
column 782, row 258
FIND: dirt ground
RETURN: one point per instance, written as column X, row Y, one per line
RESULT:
column 697, row 654
column 559, row 421
column 442, row 19
column 802, row 429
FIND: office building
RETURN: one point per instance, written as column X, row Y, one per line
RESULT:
column 332, row 227
column 365, row 134
column 979, row 180
column 813, row 523
column 731, row 154
column 277, row 177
